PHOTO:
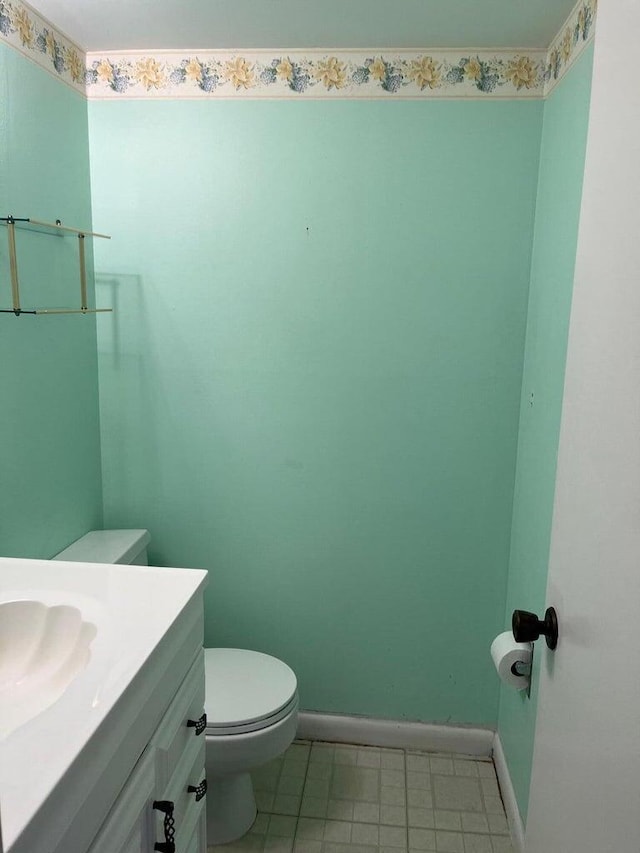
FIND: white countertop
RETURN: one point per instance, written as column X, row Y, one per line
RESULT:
column 133, row 607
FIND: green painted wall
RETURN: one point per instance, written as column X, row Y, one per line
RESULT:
column 311, row 384
column 50, row 482
column 563, row 147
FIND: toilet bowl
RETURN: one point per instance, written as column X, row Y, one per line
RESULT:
column 252, row 714
column 251, row 702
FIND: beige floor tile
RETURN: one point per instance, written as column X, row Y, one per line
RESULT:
column 393, row 796
column 282, row 825
column 421, row 817
column 392, row 778
column 286, row 804
column 486, row 769
column 310, row 828
column 330, row 847
column 447, row 820
column 393, row 836
column 355, row 783
column 489, row 786
column 493, row 805
column 465, row 768
column 275, row 844
column 474, row 822
column 501, row 844
column 306, row 846
column 365, row 833
column 260, row 824
column 419, row 781
column 420, row 798
column 442, row 766
column 422, row 839
column 498, row 824
column 369, row 757
column 457, row 793
column 317, row 788
column 346, row 755
column 321, row 753
column 319, row 770
column 477, row 843
column 418, row 763
column 393, row 815
column 290, row 784
column 366, row 812
column 313, row 807
column 392, row 759
column 449, row 842
column 340, row 810
column 338, row 831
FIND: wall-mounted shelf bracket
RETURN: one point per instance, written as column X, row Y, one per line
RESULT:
column 56, row 229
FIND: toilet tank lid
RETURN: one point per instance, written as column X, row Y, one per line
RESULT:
column 106, row 546
column 243, row 686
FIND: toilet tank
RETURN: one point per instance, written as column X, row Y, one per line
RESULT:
column 109, row 546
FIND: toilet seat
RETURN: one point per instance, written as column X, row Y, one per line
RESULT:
column 256, row 726
column 246, row 691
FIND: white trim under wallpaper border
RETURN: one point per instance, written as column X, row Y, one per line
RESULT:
column 287, row 74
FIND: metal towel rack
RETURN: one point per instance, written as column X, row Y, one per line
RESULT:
column 56, row 229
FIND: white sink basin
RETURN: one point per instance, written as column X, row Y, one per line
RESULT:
column 42, row 649
column 81, row 645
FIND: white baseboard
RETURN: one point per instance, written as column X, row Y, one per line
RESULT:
column 371, row 731
column 516, row 826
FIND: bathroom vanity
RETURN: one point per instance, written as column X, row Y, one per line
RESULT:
column 109, row 753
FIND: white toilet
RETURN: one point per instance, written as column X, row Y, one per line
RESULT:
column 251, row 702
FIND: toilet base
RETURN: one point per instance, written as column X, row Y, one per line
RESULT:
column 231, row 808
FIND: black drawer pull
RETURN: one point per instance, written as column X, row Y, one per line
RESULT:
column 199, row 790
column 199, row 725
column 169, row 826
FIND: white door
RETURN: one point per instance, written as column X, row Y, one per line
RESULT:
column 585, row 792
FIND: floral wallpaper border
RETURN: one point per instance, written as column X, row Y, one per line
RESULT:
column 292, row 74
column 32, row 35
column 295, row 74
column 566, row 47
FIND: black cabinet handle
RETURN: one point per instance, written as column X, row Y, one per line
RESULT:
column 527, row 627
column 169, row 826
column 199, row 725
column 199, row 790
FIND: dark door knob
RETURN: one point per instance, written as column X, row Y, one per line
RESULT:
column 527, row 627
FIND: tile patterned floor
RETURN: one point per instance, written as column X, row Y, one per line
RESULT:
column 337, row 798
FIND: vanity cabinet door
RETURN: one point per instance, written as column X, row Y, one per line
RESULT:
column 127, row 827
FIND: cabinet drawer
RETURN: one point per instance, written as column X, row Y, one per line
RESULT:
column 126, row 828
column 186, row 809
column 192, row 834
column 174, row 734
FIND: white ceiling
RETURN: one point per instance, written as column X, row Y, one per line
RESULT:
column 99, row 25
